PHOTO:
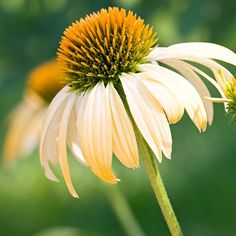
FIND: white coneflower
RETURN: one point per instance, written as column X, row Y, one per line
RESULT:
column 227, row 88
column 110, row 57
column 26, row 118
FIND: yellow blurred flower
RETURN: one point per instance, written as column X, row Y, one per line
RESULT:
column 26, row 118
column 114, row 76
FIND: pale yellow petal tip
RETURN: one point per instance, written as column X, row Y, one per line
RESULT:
column 159, row 159
column 204, row 129
column 136, row 166
column 51, row 176
column 210, row 122
column 110, row 179
column 72, row 190
column 174, row 120
column 203, row 126
column 132, row 165
column 75, row 195
column 201, row 130
column 107, row 176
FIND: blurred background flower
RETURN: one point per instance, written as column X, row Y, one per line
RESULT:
column 201, row 178
column 25, row 121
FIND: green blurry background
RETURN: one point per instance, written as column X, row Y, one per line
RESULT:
column 200, row 179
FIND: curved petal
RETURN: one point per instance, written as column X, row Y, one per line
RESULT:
column 213, row 66
column 194, row 49
column 61, row 144
column 187, row 70
column 207, row 50
column 165, row 54
column 172, row 106
column 72, row 134
column 48, row 146
column 210, row 64
column 186, row 93
column 148, row 116
column 123, row 138
column 95, row 134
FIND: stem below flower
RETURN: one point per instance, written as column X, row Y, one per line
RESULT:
column 153, row 174
column 158, row 186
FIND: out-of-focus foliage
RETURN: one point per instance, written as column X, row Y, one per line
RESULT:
column 200, row 179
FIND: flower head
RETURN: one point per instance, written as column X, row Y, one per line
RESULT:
column 26, row 119
column 102, row 46
column 227, row 88
column 116, row 78
column 230, row 93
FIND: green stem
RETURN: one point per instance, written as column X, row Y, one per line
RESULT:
column 123, row 212
column 158, row 186
column 154, row 175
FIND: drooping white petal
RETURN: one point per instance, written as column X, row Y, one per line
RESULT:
column 210, row 64
column 165, row 54
column 216, row 68
column 61, row 144
column 48, row 147
column 95, row 133
column 171, row 104
column 207, row 50
column 72, row 134
column 195, row 49
column 186, row 93
column 123, row 137
column 188, row 72
column 148, row 116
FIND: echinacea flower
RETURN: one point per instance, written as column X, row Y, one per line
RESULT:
column 26, row 119
column 227, row 88
column 110, row 58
